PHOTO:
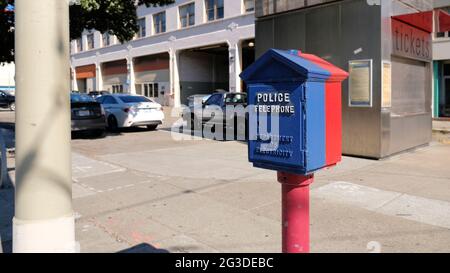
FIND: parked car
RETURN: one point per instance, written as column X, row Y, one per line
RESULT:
column 125, row 110
column 96, row 94
column 200, row 99
column 11, row 92
column 7, row 101
column 87, row 114
column 198, row 117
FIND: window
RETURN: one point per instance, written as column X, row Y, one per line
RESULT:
column 249, row 5
column 79, row 43
column 187, row 15
column 159, row 22
column 443, row 34
column 155, row 90
column 149, row 90
column 106, row 39
column 109, row 100
column 446, row 70
column 142, row 32
column 117, row 88
column 236, row 98
column 80, row 98
column 215, row 100
column 133, row 99
column 100, row 99
column 90, row 41
column 214, row 9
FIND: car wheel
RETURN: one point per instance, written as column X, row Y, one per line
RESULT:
column 12, row 106
column 112, row 124
column 192, row 123
column 152, row 127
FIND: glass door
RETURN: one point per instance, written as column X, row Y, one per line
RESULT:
column 446, row 110
column 445, row 97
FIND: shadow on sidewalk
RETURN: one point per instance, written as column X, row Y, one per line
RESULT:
column 8, row 132
column 6, row 218
column 144, row 248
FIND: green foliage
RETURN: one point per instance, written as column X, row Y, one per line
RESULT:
column 117, row 17
column 6, row 33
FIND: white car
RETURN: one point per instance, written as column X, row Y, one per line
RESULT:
column 125, row 110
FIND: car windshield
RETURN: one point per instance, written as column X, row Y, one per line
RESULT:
column 80, row 98
column 134, row 99
column 236, row 98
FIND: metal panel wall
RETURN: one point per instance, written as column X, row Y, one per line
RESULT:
column 337, row 32
column 340, row 31
column 407, row 124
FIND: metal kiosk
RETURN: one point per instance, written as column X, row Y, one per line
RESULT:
column 295, row 128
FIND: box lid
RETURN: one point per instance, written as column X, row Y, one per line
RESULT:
column 284, row 66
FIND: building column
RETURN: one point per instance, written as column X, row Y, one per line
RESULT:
column 98, row 77
column 235, row 62
column 130, row 77
column 175, row 90
column 44, row 220
column 74, row 85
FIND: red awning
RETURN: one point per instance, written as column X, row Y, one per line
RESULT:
column 443, row 21
column 421, row 20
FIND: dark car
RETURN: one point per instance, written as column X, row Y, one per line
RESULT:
column 219, row 101
column 96, row 94
column 7, row 101
column 87, row 114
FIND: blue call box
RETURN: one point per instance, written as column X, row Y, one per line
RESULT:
column 287, row 112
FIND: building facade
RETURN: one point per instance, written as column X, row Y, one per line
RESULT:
column 189, row 47
column 441, row 64
column 386, row 45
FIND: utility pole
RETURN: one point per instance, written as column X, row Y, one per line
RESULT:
column 44, row 219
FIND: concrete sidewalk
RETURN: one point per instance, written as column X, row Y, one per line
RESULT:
column 142, row 191
column 204, row 196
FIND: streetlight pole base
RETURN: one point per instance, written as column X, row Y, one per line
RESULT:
column 48, row 236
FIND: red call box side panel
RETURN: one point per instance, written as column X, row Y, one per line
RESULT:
column 333, row 124
column 333, row 109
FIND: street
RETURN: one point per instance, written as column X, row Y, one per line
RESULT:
column 143, row 191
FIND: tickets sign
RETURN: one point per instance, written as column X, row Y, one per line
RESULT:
column 411, row 42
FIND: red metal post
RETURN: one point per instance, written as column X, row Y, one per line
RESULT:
column 295, row 211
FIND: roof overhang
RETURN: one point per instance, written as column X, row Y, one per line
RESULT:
column 420, row 20
column 443, row 21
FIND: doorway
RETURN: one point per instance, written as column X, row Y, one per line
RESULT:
column 446, row 110
column 445, row 94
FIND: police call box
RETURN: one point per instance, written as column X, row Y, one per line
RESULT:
column 294, row 112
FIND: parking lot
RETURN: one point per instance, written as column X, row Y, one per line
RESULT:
column 144, row 191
